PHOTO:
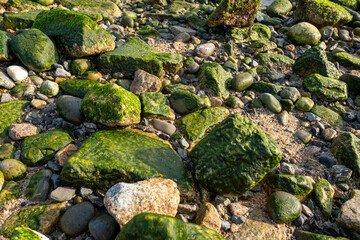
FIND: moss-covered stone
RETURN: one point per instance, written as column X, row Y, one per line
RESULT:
column 184, row 102
column 10, row 112
column 149, row 31
column 42, row 218
column 271, row 102
column 297, row 185
column 194, row 20
column 322, row 13
column 157, row 227
column 13, row 169
column 39, row 186
column 255, row 33
column 38, row 149
column 5, row 52
column 169, row 89
column 177, row 5
column 283, row 207
column 234, row 157
column 329, row 115
column 323, row 196
column 314, row 60
column 76, row 34
column 21, row 20
column 347, row 60
column 242, row 81
column 7, row 151
column 304, row 235
column 304, row 33
column 214, row 78
column 12, row 190
column 23, row 5
column 352, row 81
column 78, row 87
column 35, row 50
column 2, row 180
column 24, row 233
column 130, row 156
column 136, row 54
column 325, row 88
column 155, row 104
column 304, row 104
column 279, row 8
column 276, row 63
column 261, row 46
column 79, row 66
column 111, row 105
column 264, row 87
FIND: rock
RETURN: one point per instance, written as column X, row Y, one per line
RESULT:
column 290, row 93
column 13, row 169
column 145, row 82
column 304, row 33
column 228, row 12
column 184, row 102
column 314, row 60
column 155, row 105
column 352, row 81
column 264, row 87
column 75, row 220
column 150, row 225
column 214, row 78
column 261, row 46
column 111, row 105
column 63, row 154
column 2, row 180
column 324, row 195
column 42, row 218
column 176, row 30
column 39, row 149
column 11, row 191
column 23, row 130
column 35, row 50
column 38, row 104
column 21, row 20
column 14, row 5
column 69, row 108
column 7, row 151
column 302, row 235
column 341, row 173
column 164, row 126
column 284, row 118
column 325, row 88
column 208, row 216
column 62, row 194
column 327, row 114
column 182, row 37
column 242, row 81
column 5, row 81
column 61, row 73
column 349, row 212
column 5, row 52
column 171, row 88
column 347, row 60
column 271, row 102
column 39, row 186
column 275, row 63
column 257, row 32
column 80, row 66
column 322, row 13
column 279, row 8
column 103, row 227
column 17, row 73
column 297, row 185
column 238, row 209
column 136, row 54
column 76, row 34
column 234, row 102
column 303, row 135
column 124, row 201
column 21, row 233
column 124, row 150
column 283, row 207
column 329, row 134
column 78, row 87
column 106, row 8
column 193, row 67
column 262, row 155
column 205, row 50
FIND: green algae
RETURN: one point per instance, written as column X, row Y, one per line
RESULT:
column 10, row 112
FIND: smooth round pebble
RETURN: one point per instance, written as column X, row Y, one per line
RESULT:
column 283, row 207
column 13, row 169
column 49, row 88
column 17, row 73
column 103, row 227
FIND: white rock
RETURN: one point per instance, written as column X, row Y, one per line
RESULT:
column 17, row 73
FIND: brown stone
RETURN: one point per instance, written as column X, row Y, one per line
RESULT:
column 22, row 130
column 234, row 227
column 63, row 155
column 349, row 215
column 38, row 104
column 215, row 102
column 145, row 82
column 207, row 216
column 238, row 209
column 187, row 208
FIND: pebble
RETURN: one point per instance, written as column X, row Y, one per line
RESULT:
column 341, row 173
column 5, row 97
column 193, row 67
column 312, row 117
column 303, row 135
column 84, row 191
column 62, row 194
column 38, row 104
column 103, row 227
column 284, row 118
column 182, row 153
column 306, row 210
column 5, row 81
column 329, row 134
column 164, row 126
column 238, row 209
column 327, row 159
column 182, row 37
column 69, row 108
column 238, row 219
column 290, row 93
column 49, row 88
column 287, row 168
column 17, row 73
column 205, row 50
column 23, row 130
column 225, row 226
column 60, row 72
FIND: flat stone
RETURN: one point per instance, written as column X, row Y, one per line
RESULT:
column 246, row 34
column 17, row 73
column 23, row 130
column 329, row 115
column 62, row 194
column 59, row 72
column 164, row 126
column 38, row 104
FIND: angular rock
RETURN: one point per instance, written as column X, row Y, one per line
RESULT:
column 13, row 169
column 184, row 102
column 106, row 8
column 332, row 117
column 22, row 130
column 255, row 33
column 5, row 52
column 155, row 105
column 69, row 108
column 276, row 63
column 208, row 216
column 304, row 34
column 11, row 191
column 145, row 82
column 347, row 60
column 79, row 66
column 39, row 186
column 78, row 87
column 324, row 195
column 212, row 158
column 21, row 20
column 214, row 78
column 349, row 215
column 62, row 194
column 283, row 207
column 22, row 233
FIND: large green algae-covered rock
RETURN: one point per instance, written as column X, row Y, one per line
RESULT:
column 12, row 190
column 5, row 52
column 346, row 148
column 323, row 196
column 347, row 60
column 214, row 78
column 353, row 4
column 297, row 185
column 40, row 148
column 10, row 112
column 42, row 218
column 329, row 115
column 325, row 88
column 304, row 235
column 158, row 227
column 234, row 156
column 21, row 20
column 108, row 157
column 135, row 54
column 106, row 8
column 155, row 104
column 76, row 34
column 322, row 13
column 35, row 50
column 276, row 63
column 314, row 60
column 184, row 102
column 257, row 32
column 111, row 105
column 78, row 87
column 240, row 13
column 283, row 207
column 24, row 233
column 24, row 5
column 195, row 125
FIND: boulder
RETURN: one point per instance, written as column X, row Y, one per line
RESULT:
column 10, row 112
column 214, row 78
column 21, row 20
column 155, row 104
column 304, row 34
column 304, row 235
column 78, row 87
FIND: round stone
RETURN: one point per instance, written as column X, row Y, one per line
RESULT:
column 49, row 88
column 304, row 104
column 234, row 102
column 92, row 75
column 17, row 73
column 127, row 21
column 283, row 207
column 103, row 227
column 290, row 93
column 304, row 33
column 271, row 102
column 193, row 67
column 13, row 169
column 205, row 50
column 69, row 108
column 242, row 81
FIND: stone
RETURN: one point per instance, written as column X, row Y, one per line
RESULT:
column 322, row 13
column 242, row 81
column 171, row 88
column 39, row 186
column 62, row 194
column 323, row 196
column 238, row 209
column 13, row 169
column 279, row 8
column 314, row 60
column 103, row 227
column 182, row 37
column 106, row 8
column 185, row 102
column 257, row 32
column 38, row 104
column 5, row 81
column 38, row 149
column 61, row 73
column 175, row 29
column 164, row 126
column 341, row 173
column 347, row 60
column 124, row 149
column 284, row 118
column 21, row 233
column 329, row 115
column 208, row 216
column 157, row 195
column 205, row 50
column 271, row 102
column 283, row 207
column 329, row 134
column 69, row 108
column 214, row 78
column 136, row 54
column 151, row 225
column 261, row 46
column 42, row 218
column 155, row 104
column 76, row 219
column 79, row 66
column 264, row 87
column 7, row 151
column 75, row 34
column 35, row 50
column 78, row 87
column 297, row 185
column 304, row 33
column 210, row 157
column 234, row 102
column 349, row 216
column 325, row 88
column 145, row 82
column 21, row 20
column 352, row 81
column 300, row 234
column 304, row 136
column 11, row 191
column 21, row 5
column 17, row 73
column 234, row 13
column 22, row 130
column 111, row 105
column 5, row 51
column 275, row 63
